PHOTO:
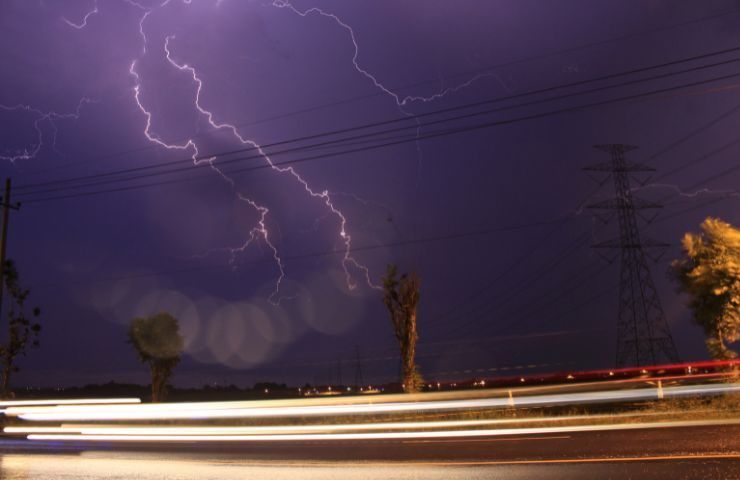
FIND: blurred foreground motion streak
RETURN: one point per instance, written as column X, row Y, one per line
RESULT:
column 601, row 406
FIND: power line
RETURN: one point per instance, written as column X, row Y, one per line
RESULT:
column 692, row 208
column 570, row 249
column 456, row 308
column 435, row 134
column 366, row 126
column 520, row 61
column 693, row 134
column 571, row 283
column 578, row 306
column 699, row 159
column 401, row 243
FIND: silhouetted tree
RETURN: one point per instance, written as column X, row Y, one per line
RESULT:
column 159, row 344
column 401, row 297
column 23, row 330
column 710, row 274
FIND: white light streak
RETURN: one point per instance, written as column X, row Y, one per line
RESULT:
column 237, row 410
column 75, row 401
column 378, row 435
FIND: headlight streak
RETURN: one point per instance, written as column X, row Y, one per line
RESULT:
column 378, row 435
column 83, row 429
column 31, row 406
column 239, row 410
column 76, row 401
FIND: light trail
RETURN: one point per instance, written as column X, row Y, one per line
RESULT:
column 240, row 410
column 83, row 429
column 268, row 430
column 76, row 401
column 379, row 435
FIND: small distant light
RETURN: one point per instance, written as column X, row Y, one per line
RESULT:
column 569, row 377
column 349, row 389
column 611, row 374
column 482, row 383
column 521, row 379
column 267, row 391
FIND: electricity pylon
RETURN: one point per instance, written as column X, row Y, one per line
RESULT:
column 643, row 336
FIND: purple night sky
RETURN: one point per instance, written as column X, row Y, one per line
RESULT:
column 255, row 264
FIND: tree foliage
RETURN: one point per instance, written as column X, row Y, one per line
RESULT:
column 710, row 274
column 23, row 330
column 159, row 344
column 401, row 298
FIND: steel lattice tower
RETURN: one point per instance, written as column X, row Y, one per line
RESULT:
column 643, row 336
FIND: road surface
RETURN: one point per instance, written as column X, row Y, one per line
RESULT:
column 670, row 453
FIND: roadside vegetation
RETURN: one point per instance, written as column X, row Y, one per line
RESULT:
column 710, row 274
column 401, row 298
column 159, row 344
column 22, row 328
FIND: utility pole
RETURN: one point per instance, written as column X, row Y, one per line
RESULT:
column 7, row 206
column 643, row 336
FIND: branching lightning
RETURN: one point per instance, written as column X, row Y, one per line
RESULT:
column 691, row 195
column 260, row 233
column 83, row 23
column 402, row 102
column 50, row 117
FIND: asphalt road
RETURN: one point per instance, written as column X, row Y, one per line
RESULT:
column 675, row 453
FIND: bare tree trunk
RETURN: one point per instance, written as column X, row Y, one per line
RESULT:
column 6, row 381
column 155, row 384
column 409, row 375
column 408, row 354
column 401, row 299
column 160, row 376
column 163, row 387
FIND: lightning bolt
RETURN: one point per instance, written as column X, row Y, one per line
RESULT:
column 144, row 16
column 694, row 194
column 83, row 23
column 260, row 231
column 402, row 102
column 50, row 117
